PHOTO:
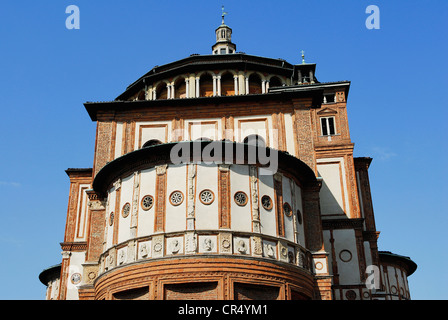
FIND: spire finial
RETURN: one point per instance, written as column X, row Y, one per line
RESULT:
column 223, row 14
column 303, row 57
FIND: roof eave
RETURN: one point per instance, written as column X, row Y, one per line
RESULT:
column 315, row 92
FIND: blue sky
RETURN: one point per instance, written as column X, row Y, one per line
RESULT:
column 396, row 106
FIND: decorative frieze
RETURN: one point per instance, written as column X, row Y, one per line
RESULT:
column 144, row 249
column 191, row 187
column 225, row 242
column 269, row 249
column 135, row 203
column 224, row 195
column 253, row 174
column 175, row 245
column 95, row 202
column 161, row 180
column 191, row 245
column 74, row 246
column 158, row 244
column 241, row 245
column 131, row 251
column 121, row 256
column 283, row 251
column 257, row 246
column 279, row 205
column 207, row 244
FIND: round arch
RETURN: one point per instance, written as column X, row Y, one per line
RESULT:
column 255, row 83
column 275, row 81
column 161, row 90
column 180, row 87
column 206, row 84
column 227, row 83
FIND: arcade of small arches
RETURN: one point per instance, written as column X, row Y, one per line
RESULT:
column 210, row 84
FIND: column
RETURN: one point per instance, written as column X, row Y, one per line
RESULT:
column 247, row 85
column 214, row 85
column 168, row 93
column 172, row 91
column 187, row 88
column 218, row 85
column 197, row 87
column 263, row 86
column 235, row 82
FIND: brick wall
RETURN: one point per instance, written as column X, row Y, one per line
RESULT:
column 132, row 294
column 192, row 291
column 255, row 292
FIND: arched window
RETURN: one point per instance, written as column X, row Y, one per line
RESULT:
column 180, row 88
column 275, row 82
column 227, row 84
column 255, row 140
column 152, row 142
column 255, row 84
column 141, row 95
column 206, row 85
column 161, row 91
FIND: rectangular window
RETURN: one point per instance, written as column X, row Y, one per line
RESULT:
column 327, row 125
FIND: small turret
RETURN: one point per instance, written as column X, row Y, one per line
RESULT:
column 223, row 43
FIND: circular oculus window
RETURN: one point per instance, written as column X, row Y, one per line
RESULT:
column 240, row 198
column 266, row 202
column 76, row 278
column 147, row 202
column 206, row 196
column 345, row 255
column 287, row 209
column 176, row 198
column 126, row 209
